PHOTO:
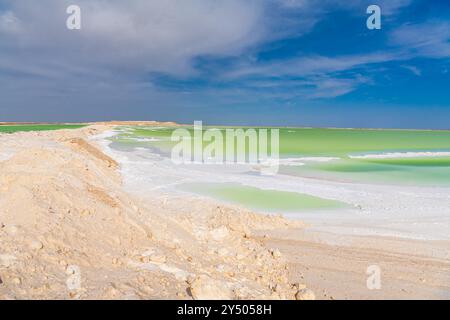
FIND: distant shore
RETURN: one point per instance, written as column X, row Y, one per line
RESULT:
column 124, row 123
column 170, row 124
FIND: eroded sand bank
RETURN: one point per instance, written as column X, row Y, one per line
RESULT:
column 69, row 231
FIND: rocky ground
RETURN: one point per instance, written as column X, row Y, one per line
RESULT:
column 69, row 231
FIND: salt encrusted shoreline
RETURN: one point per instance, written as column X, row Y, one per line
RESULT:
column 69, row 231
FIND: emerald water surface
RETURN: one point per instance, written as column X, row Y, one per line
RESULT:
column 259, row 199
column 37, row 127
column 335, row 149
column 394, row 183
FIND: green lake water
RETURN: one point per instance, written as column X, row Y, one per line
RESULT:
column 37, row 127
column 342, row 144
column 259, row 199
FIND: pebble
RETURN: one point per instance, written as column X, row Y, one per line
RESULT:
column 220, row 268
column 72, row 269
column 86, row 212
column 276, row 253
column 219, row 234
column 7, row 260
column 240, row 256
column 298, row 286
column 112, row 292
column 11, row 230
column 35, row 245
column 205, row 288
column 155, row 258
column 305, row 294
column 222, row 252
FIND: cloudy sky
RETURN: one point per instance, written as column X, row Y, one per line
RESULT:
column 274, row 62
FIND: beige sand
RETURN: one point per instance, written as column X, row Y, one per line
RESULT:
column 335, row 266
column 69, row 231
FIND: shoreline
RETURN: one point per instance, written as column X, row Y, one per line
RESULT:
column 170, row 124
column 407, row 211
column 63, row 204
column 319, row 241
column 69, row 231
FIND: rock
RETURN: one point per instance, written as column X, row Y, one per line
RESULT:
column 11, row 230
column 158, row 258
column 154, row 258
column 274, row 287
column 35, row 245
column 74, row 295
column 180, row 275
column 275, row 296
column 240, row 256
column 72, row 269
column 298, row 286
column 222, row 252
column 112, row 292
column 16, row 281
column 275, row 253
column 86, row 212
column 7, row 260
column 206, row 288
column 147, row 290
column 73, row 282
column 220, row 268
column 148, row 252
column 219, row 234
column 305, row 294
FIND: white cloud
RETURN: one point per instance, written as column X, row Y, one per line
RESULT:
column 148, row 35
column 428, row 39
column 413, row 69
column 154, row 35
column 9, row 24
column 121, row 42
column 335, row 87
column 311, row 65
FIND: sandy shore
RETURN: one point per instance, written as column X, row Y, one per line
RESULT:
column 68, row 230
column 335, row 266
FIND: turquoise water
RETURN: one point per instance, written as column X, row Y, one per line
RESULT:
column 337, row 143
column 272, row 201
column 368, row 182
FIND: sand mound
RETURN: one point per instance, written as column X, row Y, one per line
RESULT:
column 69, row 231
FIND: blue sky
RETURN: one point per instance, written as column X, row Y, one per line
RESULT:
column 258, row 62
